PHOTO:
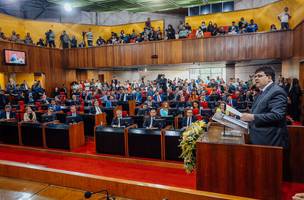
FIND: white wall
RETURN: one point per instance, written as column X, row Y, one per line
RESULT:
column 249, row 4
column 291, row 68
column 243, row 72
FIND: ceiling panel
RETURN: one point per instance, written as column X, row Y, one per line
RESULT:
column 133, row 5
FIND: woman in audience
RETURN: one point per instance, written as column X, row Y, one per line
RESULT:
column 29, row 115
column 294, row 100
column 170, row 32
column 164, row 111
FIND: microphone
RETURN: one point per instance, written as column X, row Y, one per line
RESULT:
column 89, row 194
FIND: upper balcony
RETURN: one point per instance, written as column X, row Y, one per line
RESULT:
column 251, row 46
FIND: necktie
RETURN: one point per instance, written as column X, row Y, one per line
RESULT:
column 118, row 122
column 151, row 122
column 159, row 99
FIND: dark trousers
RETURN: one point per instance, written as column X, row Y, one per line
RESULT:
column 52, row 44
column 90, row 43
column 284, row 26
column 65, row 45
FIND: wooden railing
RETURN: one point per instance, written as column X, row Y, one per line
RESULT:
column 268, row 45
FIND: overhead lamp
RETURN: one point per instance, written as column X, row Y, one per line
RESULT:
column 67, row 7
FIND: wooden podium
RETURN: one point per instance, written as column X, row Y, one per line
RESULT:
column 226, row 164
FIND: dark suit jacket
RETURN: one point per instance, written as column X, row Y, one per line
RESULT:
column 93, row 110
column 123, row 122
column 184, row 121
column 156, row 123
column 3, row 115
column 269, row 124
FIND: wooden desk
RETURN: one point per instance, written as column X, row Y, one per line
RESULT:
column 228, row 165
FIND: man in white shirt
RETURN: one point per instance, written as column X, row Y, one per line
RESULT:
column 284, row 18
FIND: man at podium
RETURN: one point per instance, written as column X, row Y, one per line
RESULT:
column 267, row 124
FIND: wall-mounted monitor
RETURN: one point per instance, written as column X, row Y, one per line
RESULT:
column 14, row 57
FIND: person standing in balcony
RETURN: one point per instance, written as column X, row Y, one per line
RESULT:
column 284, row 18
column 89, row 35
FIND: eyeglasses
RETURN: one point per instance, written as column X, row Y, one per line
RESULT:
column 259, row 75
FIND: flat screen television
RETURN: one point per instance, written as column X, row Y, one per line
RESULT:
column 14, row 57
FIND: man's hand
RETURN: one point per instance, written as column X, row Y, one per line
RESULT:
column 298, row 196
column 247, row 117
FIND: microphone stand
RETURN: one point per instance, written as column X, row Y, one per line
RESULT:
column 88, row 194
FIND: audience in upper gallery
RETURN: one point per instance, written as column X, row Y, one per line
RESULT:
column 284, row 18
column 273, row 27
column 149, row 33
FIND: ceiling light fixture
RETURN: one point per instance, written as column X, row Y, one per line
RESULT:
column 67, row 7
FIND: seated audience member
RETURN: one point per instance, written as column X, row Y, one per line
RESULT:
column 13, row 37
column 74, row 100
column 50, row 114
column 222, row 109
column 273, row 27
column 183, row 33
column 252, row 27
column 7, row 113
column 29, row 115
column 40, row 43
column 188, row 119
column 215, row 30
column 188, row 27
column 73, row 113
column 144, row 111
column 100, row 41
column 170, row 32
column 96, row 109
column 203, row 27
column 138, row 96
column 243, row 23
column 28, row 39
column 195, row 108
column 157, row 97
column 221, row 31
column 151, row 121
column 54, row 106
column 164, row 111
column 233, row 29
column 44, row 100
column 210, row 27
column 119, row 121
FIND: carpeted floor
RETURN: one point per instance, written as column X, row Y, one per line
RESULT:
column 129, row 171
column 115, row 169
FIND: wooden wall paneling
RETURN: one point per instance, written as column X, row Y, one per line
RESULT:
column 192, row 50
column 101, row 57
column 243, row 170
column 296, row 159
column 298, row 42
